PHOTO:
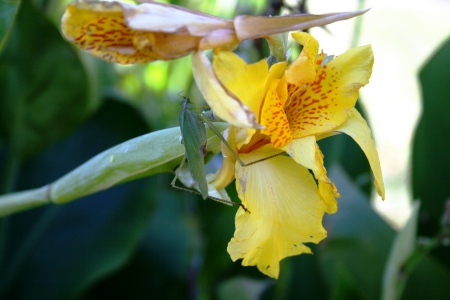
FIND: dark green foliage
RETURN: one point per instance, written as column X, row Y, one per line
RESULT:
column 431, row 163
column 43, row 86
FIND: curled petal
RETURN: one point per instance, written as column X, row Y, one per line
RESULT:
column 356, row 127
column 222, row 101
column 306, row 152
column 285, row 212
column 303, row 68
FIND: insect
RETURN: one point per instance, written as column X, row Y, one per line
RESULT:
column 193, row 132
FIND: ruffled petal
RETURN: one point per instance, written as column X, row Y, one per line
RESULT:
column 306, row 152
column 285, row 211
column 226, row 105
column 325, row 103
column 356, row 127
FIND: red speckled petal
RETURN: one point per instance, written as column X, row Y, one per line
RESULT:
column 103, row 33
column 324, row 103
column 273, row 116
column 100, row 29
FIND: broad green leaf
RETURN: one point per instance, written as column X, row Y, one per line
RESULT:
column 430, row 163
column 402, row 248
column 242, row 288
column 165, row 264
column 43, row 86
column 8, row 11
column 357, row 238
column 302, row 276
column 429, row 280
column 57, row 252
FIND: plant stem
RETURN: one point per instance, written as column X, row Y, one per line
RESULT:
column 15, row 202
column 277, row 45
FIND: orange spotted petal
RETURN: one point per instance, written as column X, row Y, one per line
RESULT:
column 285, row 211
column 273, row 116
column 127, row 34
column 324, row 103
column 101, row 31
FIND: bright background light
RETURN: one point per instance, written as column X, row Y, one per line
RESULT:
column 404, row 35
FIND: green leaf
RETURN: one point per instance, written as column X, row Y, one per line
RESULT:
column 8, row 11
column 57, row 252
column 242, row 288
column 357, row 246
column 164, row 265
column 302, row 276
column 402, row 248
column 44, row 90
column 429, row 280
column 430, row 163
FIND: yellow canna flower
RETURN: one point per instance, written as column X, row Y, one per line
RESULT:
column 128, row 33
column 298, row 104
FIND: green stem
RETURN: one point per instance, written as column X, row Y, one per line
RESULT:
column 15, row 202
column 277, row 46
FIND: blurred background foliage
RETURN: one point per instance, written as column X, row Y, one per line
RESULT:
column 59, row 107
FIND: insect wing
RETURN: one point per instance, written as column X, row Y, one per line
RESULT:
column 194, row 136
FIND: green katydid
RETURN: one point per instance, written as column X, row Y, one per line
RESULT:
column 193, row 132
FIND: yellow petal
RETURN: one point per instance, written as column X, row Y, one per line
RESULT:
column 246, row 81
column 226, row 105
column 356, row 127
column 306, row 152
column 226, row 173
column 325, row 103
column 285, row 211
column 251, row 84
column 303, row 69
